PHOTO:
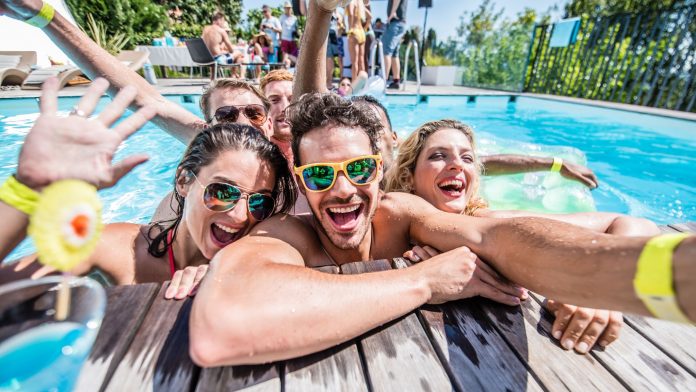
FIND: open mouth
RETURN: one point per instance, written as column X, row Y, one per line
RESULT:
column 345, row 218
column 452, row 187
column 224, row 235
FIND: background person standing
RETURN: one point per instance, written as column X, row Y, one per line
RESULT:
column 391, row 40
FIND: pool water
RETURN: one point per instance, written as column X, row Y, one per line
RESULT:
column 645, row 163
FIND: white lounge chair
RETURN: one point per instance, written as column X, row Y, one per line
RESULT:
column 64, row 73
column 15, row 66
column 133, row 59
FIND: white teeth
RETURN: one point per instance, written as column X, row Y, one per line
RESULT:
column 344, row 210
column 226, row 229
column 457, row 183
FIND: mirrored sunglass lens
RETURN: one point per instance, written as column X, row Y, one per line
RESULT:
column 227, row 113
column 221, row 197
column 362, row 170
column 318, row 177
column 255, row 113
column 261, row 206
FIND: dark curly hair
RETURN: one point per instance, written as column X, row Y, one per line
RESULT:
column 316, row 110
column 202, row 151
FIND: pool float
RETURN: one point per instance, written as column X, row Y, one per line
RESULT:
column 66, row 224
column 374, row 85
column 536, row 191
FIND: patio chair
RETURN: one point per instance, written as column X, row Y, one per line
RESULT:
column 66, row 75
column 201, row 56
column 15, row 66
column 133, row 59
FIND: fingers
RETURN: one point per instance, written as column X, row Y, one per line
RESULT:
column 420, row 253
column 91, row 98
column 120, row 103
column 594, row 179
column 124, row 167
column 49, row 96
column 430, row 251
column 563, row 315
column 200, row 273
column 43, row 271
column 487, row 275
column 496, row 295
column 611, row 333
column 186, row 282
column 174, row 285
column 131, row 124
column 581, row 319
column 594, row 329
column 411, row 256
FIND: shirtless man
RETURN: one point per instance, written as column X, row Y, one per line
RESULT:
column 218, row 42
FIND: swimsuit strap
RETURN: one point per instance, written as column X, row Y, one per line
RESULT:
column 170, row 252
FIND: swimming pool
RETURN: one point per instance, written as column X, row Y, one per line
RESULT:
column 645, row 163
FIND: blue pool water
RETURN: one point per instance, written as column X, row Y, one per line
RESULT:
column 646, row 164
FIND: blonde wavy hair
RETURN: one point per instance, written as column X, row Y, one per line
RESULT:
column 399, row 178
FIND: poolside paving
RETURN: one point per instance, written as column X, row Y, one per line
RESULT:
column 469, row 345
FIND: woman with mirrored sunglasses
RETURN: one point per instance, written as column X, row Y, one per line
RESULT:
column 230, row 178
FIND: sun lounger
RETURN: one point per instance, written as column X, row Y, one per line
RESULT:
column 15, row 66
column 133, row 59
column 66, row 75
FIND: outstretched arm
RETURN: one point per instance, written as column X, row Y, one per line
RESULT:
column 556, row 259
column 494, row 165
column 311, row 65
column 96, row 62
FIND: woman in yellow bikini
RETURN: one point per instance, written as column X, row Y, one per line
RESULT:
column 356, row 12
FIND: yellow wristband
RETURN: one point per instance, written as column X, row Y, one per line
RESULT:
column 654, row 282
column 43, row 18
column 557, row 164
column 18, row 195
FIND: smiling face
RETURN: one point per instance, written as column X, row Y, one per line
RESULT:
column 212, row 231
column 279, row 93
column 446, row 170
column 345, row 211
column 237, row 96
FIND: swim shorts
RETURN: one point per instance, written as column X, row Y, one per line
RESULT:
column 392, row 37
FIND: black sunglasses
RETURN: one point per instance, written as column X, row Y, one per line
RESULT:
column 255, row 113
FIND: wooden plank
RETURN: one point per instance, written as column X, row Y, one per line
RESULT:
column 336, row 369
column 640, row 365
column 677, row 340
column 125, row 310
column 478, row 357
column 528, row 331
column 339, row 368
column 158, row 357
column 687, row 227
column 398, row 355
column 236, row 378
column 667, row 229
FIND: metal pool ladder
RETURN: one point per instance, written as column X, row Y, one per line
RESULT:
column 416, row 58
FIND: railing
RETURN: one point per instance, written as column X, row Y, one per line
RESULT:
column 644, row 59
column 416, row 60
column 377, row 46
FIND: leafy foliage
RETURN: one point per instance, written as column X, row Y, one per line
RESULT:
column 111, row 43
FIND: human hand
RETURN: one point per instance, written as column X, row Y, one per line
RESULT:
column 579, row 328
column 579, row 173
column 185, row 282
column 391, row 17
column 77, row 147
column 459, row 274
column 20, row 9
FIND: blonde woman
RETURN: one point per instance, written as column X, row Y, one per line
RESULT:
column 356, row 13
column 438, row 162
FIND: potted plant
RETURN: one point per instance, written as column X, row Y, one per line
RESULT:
column 438, row 70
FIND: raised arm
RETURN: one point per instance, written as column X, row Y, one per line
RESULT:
column 95, row 62
column 494, row 165
column 311, row 65
column 556, row 259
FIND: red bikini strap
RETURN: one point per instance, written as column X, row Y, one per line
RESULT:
column 170, row 252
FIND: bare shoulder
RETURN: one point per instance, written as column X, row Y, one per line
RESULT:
column 115, row 253
column 297, row 231
column 403, row 205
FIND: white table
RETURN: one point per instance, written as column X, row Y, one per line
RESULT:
column 171, row 56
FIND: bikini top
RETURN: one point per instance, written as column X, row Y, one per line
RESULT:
column 170, row 253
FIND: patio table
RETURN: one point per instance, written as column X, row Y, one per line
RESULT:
column 171, row 56
column 468, row 345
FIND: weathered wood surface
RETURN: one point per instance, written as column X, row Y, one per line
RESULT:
column 240, row 378
column 125, row 310
column 399, row 355
column 686, row 227
column 157, row 359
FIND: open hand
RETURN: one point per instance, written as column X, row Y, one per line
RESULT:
column 579, row 173
column 459, row 274
column 580, row 328
column 185, row 282
column 76, row 146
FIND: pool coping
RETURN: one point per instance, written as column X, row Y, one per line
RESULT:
column 195, row 86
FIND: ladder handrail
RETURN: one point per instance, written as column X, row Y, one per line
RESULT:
column 377, row 44
column 413, row 44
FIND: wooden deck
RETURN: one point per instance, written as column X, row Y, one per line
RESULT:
column 470, row 345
